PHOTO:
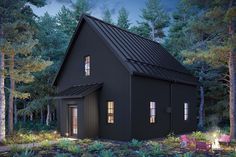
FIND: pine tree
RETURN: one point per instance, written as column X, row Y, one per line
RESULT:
column 157, row 19
column 82, row 6
column 66, row 21
column 123, row 19
column 107, row 16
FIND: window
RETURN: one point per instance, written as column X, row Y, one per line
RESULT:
column 152, row 112
column 87, row 66
column 186, row 111
column 110, row 112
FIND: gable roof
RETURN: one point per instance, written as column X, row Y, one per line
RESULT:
column 139, row 55
column 79, row 91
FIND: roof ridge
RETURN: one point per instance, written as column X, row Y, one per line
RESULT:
column 92, row 17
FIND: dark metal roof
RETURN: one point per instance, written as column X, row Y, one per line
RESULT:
column 79, row 91
column 139, row 55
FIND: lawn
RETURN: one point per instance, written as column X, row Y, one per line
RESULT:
column 169, row 146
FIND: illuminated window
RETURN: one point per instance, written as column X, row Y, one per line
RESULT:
column 185, row 111
column 87, row 66
column 110, row 111
column 152, row 112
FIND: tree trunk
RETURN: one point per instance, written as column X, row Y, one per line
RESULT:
column 2, row 97
column 201, row 109
column 232, row 94
column 232, row 79
column 48, row 115
column 15, row 113
column 24, row 116
column 41, row 116
column 11, row 95
column 31, row 116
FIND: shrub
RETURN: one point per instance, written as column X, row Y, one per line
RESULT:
column 26, row 153
column 171, row 140
column 15, row 149
column 62, row 155
column 46, row 144
column 106, row 153
column 96, row 146
column 156, row 149
column 142, row 153
column 135, row 143
column 198, row 135
column 74, row 149
column 188, row 154
column 65, row 143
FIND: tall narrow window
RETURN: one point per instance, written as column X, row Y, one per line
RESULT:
column 186, row 111
column 152, row 112
column 110, row 112
column 87, row 66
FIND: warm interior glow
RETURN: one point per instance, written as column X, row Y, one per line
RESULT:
column 152, row 112
column 110, row 111
column 185, row 111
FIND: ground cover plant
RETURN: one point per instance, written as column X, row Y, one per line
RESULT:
column 164, row 147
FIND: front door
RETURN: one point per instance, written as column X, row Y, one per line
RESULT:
column 73, row 121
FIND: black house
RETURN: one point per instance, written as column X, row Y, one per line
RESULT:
column 117, row 85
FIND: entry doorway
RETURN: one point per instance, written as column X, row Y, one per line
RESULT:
column 73, row 113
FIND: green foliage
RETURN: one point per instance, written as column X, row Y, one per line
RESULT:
column 107, row 16
column 82, row 6
column 65, row 143
column 25, row 153
column 155, row 149
column 154, row 15
column 29, row 137
column 199, row 136
column 135, row 143
column 106, row 153
column 74, row 149
column 14, row 149
column 62, row 155
column 171, row 140
column 123, row 19
column 95, row 147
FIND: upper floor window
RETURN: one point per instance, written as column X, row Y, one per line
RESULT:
column 152, row 112
column 110, row 112
column 186, row 108
column 87, row 66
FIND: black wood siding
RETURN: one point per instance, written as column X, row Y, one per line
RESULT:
column 145, row 90
column 107, row 69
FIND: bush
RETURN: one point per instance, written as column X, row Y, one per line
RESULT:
column 62, row 155
column 65, row 143
column 106, row 153
column 15, row 149
column 29, row 137
column 171, row 140
column 156, row 149
column 46, row 144
column 198, row 135
column 74, row 149
column 26, row 153
column 96, row 146
column 135, row 143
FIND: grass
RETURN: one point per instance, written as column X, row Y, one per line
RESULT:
column 30, row 137
column 169, row 146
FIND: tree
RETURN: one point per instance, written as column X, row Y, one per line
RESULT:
column 123, row 19
column 107, row 16
column 66, row 21
column 82, row 6
column 157, row 19
column 141, row 29
column 20, row 13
